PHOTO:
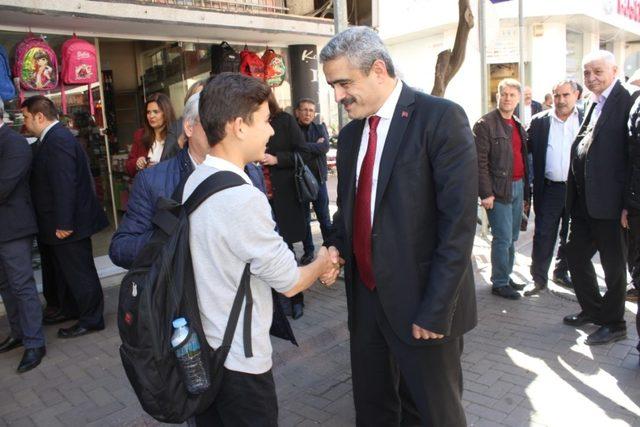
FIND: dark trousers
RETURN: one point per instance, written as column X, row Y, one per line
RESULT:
column 244, row 400
column 55, row 290
column 548, row 216
column 19, row 293
column 634, row 246
column 321, row 208
column 73, row 270
column 398, row 384
column 588, row 235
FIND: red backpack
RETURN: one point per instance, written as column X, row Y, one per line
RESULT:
column 36, row 65
column 251, row 64
column 79, row 66
column 274, row 68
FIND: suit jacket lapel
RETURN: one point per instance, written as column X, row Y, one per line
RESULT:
column 352, row 163
column 544, row 141
column 609, row 105
column 399, row 122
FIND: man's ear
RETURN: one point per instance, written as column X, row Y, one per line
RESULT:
column 238, row 128
column 187, row 128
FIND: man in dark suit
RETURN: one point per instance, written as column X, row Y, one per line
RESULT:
column 17, row 286
column 406, row 220
column 551, row 135
column 595, row 196
column 68, row 214
column 315, row 147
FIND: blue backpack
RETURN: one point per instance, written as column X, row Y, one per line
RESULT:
column 7, row 89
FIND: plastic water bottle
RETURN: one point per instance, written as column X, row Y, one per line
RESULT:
column 189, row 357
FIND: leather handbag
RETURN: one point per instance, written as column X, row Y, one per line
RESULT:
column 306, row 183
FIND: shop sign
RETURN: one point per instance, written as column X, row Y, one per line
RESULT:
column 629, row 9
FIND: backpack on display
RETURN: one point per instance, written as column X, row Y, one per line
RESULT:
column 159, row 288
column 274, row 68
column 224, row 58
column 251, row 64
column 36, row 65
column 79, row 67
column 7, row 89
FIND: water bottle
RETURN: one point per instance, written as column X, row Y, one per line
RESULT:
column 189, row 357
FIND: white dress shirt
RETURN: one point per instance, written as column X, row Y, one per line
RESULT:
column 527, row 115
column 561, row 137
column 601, row 100
column 386, row 114
column 225, row 165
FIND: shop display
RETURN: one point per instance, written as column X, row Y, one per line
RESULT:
column 224, row 58
column 274, row 68
column 7, row 89
column 36, row 65
column 79, row 66
column 251, row 64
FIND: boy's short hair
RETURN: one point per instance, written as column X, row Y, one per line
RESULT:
column 226, row 97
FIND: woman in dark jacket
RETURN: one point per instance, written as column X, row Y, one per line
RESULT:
column 278, row 166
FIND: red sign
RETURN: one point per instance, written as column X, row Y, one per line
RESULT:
column 629, row 9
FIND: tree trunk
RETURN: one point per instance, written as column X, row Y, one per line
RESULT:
column 450, row 61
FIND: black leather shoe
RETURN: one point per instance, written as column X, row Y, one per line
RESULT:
column 578, row 319
column 76, row 331
column 516, row 286
column 9, row 344
column 306, row 259
column 537, row 289
column 506, row 292
column 55, row 318
column 31, row 358
column 562, row 278
column 605, row 335
column 297, row 311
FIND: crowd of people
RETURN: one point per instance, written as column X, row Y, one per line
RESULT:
column 410, row 173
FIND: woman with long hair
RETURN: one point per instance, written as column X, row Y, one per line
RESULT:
column 148, row 145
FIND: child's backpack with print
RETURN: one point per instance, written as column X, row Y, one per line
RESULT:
column 274, row 68
column 7, row 89
column 251, row 64
column 79, row 67
column 36, row 65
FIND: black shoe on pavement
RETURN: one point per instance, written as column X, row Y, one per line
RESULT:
column 578, row 319
column 297, row 310
column 632, row 295
column 31, row 358
column 55, row 318
column 516, row 286
column 562, row 278
column 605, row 335
column 76, row 331
column 506, row 292
column 9, row 344
column 306, row 259
column 537, row 289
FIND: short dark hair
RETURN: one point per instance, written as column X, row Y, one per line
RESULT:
column 304, row 101
column 226, row 97
column 41, row 104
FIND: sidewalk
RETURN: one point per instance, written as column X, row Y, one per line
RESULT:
column 522, row 367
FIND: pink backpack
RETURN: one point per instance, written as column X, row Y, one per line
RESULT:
column 79, row 67
column 36, row 65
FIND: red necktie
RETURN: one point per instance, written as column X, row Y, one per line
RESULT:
column 362, row 213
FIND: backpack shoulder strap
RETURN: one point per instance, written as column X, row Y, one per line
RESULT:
column 244, row 292
column 217, row 182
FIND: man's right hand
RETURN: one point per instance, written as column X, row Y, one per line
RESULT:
column 488, row 202
column 624, row 218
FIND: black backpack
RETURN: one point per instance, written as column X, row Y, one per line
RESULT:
column 160, row 287
column 224, row 58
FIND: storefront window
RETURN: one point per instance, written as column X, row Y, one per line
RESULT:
column 574, row 55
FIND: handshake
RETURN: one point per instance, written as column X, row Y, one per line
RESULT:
column 328, row 263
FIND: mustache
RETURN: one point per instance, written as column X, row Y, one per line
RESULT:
column 347, row 101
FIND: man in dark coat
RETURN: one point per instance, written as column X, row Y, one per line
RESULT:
column 551, row 135
column 17, row 286
column 68, row 214
column 595, row 200
column 405, row 225
column 316, row 147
